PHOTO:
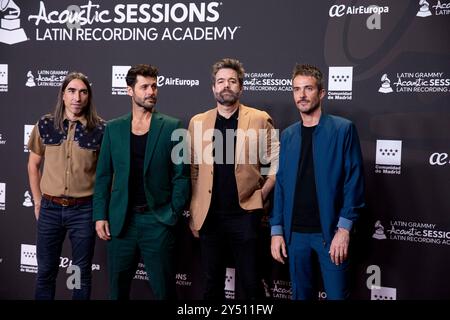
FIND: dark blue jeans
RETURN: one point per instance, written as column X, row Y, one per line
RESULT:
column 53, row 224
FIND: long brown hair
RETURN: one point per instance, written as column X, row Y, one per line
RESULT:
column 90, row 112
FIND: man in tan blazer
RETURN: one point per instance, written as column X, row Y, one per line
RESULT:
column 234, row 159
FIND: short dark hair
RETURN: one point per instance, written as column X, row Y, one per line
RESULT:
column 228, row 63
column 89, row 112
column 144, row 70
column 310, row 71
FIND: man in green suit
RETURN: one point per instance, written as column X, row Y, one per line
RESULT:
column 140, row 190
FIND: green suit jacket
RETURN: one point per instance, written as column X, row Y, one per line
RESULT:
column 166, row 183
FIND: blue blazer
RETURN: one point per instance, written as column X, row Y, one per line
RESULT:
column 338, row 172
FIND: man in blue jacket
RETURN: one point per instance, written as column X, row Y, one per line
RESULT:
column 319, row 191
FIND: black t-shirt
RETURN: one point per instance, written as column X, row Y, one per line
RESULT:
column 136, row 194
column 225, row 195
column 306, row 216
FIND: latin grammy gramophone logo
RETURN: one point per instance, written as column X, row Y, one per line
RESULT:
column 379, row 231
column 385, row 84
column 10, row 30
column 30, row 80
column 424, row 10
column 27, row 202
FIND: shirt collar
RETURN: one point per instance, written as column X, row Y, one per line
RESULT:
column 82, row 119
column 234, row 116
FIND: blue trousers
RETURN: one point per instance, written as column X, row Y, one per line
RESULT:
column 300, row 253
column 53, row 224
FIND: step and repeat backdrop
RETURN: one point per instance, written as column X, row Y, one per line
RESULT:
column 387, row 67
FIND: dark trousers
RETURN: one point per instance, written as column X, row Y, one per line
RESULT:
column 53, row 224
column 335, row 278
column 240, row 233
column 144, row 237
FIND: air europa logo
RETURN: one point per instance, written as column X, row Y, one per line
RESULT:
column 175, row 81
column 439, row 159
column 339, row 10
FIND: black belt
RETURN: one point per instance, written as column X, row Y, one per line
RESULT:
column 141, row 208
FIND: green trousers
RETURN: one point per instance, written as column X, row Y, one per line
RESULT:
column 144, row 236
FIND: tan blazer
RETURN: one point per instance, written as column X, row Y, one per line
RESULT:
column 257, row 143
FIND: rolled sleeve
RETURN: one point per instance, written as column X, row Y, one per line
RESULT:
column 276, row 230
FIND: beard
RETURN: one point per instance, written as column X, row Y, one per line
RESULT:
column 227, row 97
column 148, row 104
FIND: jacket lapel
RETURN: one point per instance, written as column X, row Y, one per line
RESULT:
column 156, row 125
column 243, row 123
column 293, row 155
column 125, row 134
column 207, row 136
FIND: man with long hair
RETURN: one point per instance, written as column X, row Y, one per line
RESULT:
column 69, row 140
